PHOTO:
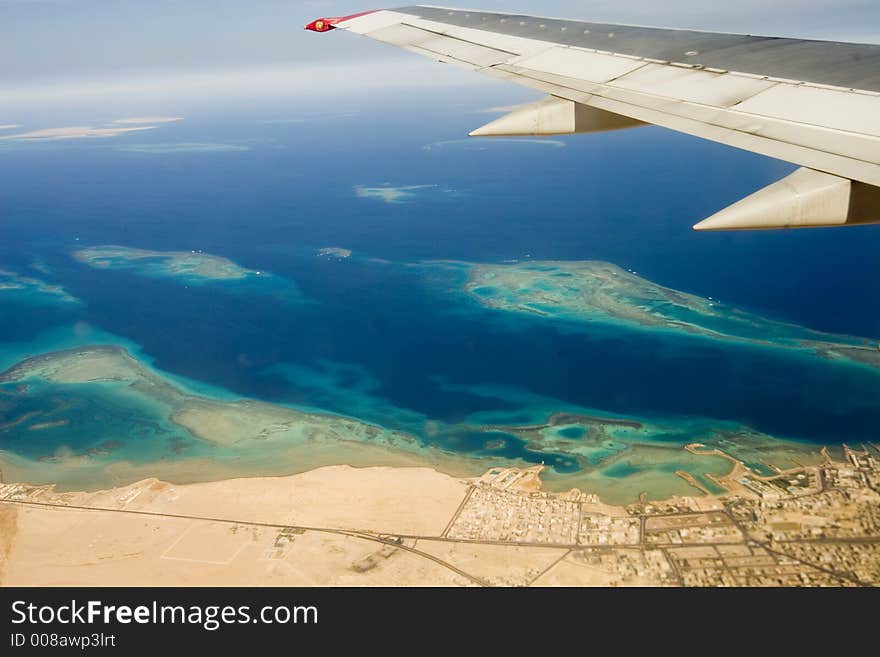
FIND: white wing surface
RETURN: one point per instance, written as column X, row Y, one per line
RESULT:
column 813, row 103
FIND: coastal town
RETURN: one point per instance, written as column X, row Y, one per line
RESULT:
column 816, row 525
column 809, row 526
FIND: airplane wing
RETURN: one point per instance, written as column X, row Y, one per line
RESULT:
column 813, row 103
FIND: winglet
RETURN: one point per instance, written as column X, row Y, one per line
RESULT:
column 327, row 24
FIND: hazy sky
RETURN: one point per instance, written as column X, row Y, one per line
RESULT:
column 75, row 45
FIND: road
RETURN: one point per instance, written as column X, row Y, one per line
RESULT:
column 398, row 540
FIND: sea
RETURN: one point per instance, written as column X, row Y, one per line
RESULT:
column 383, row 335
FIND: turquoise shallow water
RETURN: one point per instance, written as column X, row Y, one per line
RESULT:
column 99, row 424
column 105, row 421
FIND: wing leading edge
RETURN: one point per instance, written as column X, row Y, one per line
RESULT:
column 812, row 103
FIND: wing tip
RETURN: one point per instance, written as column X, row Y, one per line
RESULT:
column 327, row 24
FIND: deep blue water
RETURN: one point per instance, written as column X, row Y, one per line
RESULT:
column 628, row 198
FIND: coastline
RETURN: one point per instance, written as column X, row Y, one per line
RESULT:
column 266, row 439
column 415, row 526
column 193, row 437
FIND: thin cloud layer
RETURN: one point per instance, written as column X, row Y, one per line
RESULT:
column 484, row 143
column 503, row 109
column 337, row 78
column 135, row 120
column 183, row 148
column 74, row 132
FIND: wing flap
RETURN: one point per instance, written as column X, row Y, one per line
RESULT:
column 401, row 34
column 437, row 45
column 702, row 87
column 472, row 53
column 579, row 64
column 516, row 45
column 829, row 108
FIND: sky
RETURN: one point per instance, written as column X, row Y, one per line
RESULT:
column 55, row 50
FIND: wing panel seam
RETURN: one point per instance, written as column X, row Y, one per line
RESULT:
column 716, row 125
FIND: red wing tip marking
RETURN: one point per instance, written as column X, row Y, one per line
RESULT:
column 327, row 24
